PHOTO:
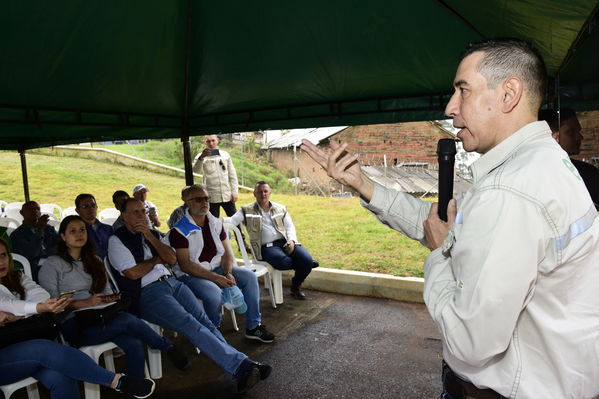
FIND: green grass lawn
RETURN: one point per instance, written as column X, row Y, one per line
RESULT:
column 337, row 231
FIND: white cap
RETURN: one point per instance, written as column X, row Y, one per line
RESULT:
column 139, row 187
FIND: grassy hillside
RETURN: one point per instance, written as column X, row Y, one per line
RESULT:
column 249, row 165
column 337, row 231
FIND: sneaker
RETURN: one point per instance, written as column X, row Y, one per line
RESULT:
column 260, row 333
column 137, row 387
column 297, row 293
column 247, row 376
column 264, row 369
column 179, row 360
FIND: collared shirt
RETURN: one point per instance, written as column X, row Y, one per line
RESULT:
column 219, row 176
column 122, row 259
column 177, row 241
column 99, row 233
column 33, row 243
column 269, row 233
column 513, row 287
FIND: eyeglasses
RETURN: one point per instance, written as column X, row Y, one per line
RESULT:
column 91, row 206
column 222, row 165
column 199, row 199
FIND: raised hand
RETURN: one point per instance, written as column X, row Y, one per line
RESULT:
column 341, row 166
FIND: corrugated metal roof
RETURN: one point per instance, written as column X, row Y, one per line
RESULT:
column 294, row 138
column 411, row 179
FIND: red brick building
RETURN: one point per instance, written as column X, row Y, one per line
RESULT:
column 398, row 143
column 590, row 131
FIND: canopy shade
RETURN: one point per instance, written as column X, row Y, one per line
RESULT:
column 77, row 71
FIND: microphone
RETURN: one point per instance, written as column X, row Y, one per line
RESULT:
column 446, row 154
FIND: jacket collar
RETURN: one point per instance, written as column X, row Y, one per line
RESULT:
column 504, row 150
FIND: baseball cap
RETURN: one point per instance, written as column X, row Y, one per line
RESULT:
column 139, row 187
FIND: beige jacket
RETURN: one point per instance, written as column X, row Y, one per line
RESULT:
column 513, row 289
column 220, row 177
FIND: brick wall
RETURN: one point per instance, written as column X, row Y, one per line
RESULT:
column 590, row 131
column 400, row 142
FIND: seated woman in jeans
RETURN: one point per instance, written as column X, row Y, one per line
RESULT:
column 56, row 366
column 76, row 268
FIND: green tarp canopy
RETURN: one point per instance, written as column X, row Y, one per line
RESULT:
column 76, row 71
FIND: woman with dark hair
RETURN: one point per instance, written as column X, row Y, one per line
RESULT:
column 75, row 268
column 56, row 366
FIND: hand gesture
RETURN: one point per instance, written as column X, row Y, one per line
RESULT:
column 53, row 305
column 224, row 281
column 42, row 222
column 341, row 166
column 435, row 229
column 205, row 153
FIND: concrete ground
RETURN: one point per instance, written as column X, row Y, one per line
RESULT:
column 329, row 346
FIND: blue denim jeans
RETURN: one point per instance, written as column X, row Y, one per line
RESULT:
column 171, row 304
column 211, row 295
column 299, row 260
column 128, row 332
column 57, row 367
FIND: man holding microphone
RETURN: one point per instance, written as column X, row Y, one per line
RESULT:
column 512, row 275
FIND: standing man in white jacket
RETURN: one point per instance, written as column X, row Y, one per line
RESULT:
column 512, row 278
column 220, row 177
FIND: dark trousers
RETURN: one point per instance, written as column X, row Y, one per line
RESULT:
column 299, row 260
column 455, row 387
column 229, row 208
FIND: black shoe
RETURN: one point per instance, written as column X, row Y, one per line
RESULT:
column 247, row 376
column 260, row 333
column 264, row 369
column 179, row 360
column 137, row 387
column 298, row 294
column 315, row 264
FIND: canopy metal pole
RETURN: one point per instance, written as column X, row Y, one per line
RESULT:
column 187, row 161
column 24, row 173
column 185, row 130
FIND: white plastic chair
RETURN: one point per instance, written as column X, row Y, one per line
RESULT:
column 30, row 383
column 10, row 224
column 108, row 213
column 54, row 223
column 53, row 210
column 154, row 355
column 2, row 206
column 14, row 214
column 68, row 211
column 23, row 261
column 275, row 275
column 258, row 267
column 92, row 391
column 109, row 221
column 14, row 205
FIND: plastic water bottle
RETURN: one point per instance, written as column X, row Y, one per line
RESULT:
column 233, row 299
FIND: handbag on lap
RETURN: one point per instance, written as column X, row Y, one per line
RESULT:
column 39, row 326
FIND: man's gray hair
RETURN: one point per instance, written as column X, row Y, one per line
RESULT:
column 189, row 189
column 505, row 58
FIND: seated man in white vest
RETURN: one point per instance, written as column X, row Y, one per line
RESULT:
column 141, row 262
column 273, row 237
column 206, row 263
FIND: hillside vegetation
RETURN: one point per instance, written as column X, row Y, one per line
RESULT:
column 250, row 166
column 337, row 231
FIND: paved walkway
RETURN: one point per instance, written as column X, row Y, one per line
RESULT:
column 330, row 346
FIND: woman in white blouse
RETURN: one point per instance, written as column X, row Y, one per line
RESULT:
column 56, row 366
